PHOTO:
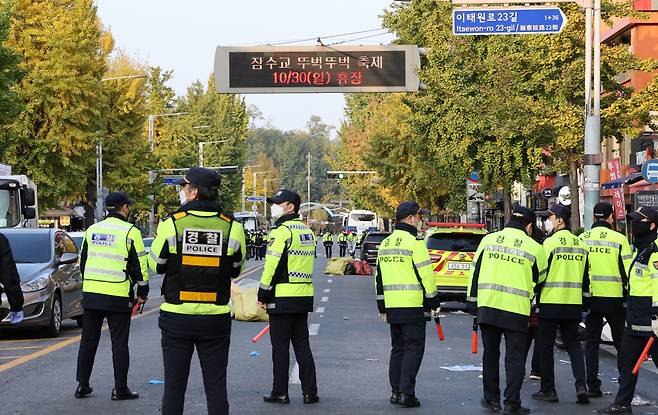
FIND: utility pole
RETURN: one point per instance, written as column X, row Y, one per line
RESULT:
column 100, row 205
column 592, row 162
column 308, row 184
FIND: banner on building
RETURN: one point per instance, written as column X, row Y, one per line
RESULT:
column 614, row 169
column 618, row 203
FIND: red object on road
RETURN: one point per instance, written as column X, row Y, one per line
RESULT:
column 261, row 334
column 439, row 329
column 135, row 309
column 474, row 336
column 643, row 356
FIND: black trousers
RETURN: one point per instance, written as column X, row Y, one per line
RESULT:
column 177, row 349
column 532, row 338
column 515, row 347
column 407, row 350
column 119, row 324
column 631, row 349
column 284, row 329
column 327, row 250
column 569, row 333
column 594, row 327
column 259, row 252
column 343, row 250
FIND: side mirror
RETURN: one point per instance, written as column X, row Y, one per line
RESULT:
column 30, row 213
column 68, row 258
column 28, row 196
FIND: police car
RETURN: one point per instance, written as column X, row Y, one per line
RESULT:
column 452, row 247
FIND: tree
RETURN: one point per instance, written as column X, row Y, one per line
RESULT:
column 10, row 75
column 53, row 140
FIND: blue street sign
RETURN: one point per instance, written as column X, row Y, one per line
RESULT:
column 169, row 180
column 650, row 171
column 255, row 198
column 473, row 21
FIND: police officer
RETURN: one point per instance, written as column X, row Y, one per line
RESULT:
column 561, row 303
column 609, row 259
column 258, row 245
column 112, row 261
column 200, row 249
column 250, row 244
column 10, row 282
column 642, row 312
column 351, row 243
column 406, row 292
column 342, row 243
column 328, row 242
column 508, row 265
column 286, row 292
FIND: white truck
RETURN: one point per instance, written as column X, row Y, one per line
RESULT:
column 18, row 202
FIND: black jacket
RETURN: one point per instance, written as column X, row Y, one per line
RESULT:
column 10, row 282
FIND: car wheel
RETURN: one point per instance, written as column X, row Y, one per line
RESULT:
column 55, row 326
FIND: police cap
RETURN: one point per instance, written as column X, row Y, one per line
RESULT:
column 560, row 211
column 523, row 215
column 200, row 177
column 115, row 200
column 603, row 210
column 409, row 208
column 286, row 195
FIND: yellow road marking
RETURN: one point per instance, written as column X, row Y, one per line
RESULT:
column 20, row 348
column 9, row 357
column 54, row 347
column 34, row 340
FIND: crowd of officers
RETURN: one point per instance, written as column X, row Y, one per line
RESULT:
column 523, row 287
column 561, row 279
column 256, row 244
column 347, row 241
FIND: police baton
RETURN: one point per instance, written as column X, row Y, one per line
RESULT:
column 137, row 308
column 474, row 336
column 643, row 356
column 439, row 329
column 261, row 334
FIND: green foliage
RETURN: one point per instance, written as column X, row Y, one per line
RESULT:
column 10, row 74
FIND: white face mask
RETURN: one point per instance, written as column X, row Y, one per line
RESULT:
column 549, row 226
column 276, row 211
column 182, row 197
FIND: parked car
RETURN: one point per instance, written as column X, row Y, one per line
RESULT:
column 452, row 247
column 47, row 262
column 370, row 246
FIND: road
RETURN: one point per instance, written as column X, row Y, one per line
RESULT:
column 351, row 347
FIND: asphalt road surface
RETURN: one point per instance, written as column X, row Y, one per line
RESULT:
column 350, row 343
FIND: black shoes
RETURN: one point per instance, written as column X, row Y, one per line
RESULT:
column 408, row 401
column 124, row 394
column 493, row 406
column 308, row 398
column 545, row 396
column 595, row 392
column 515, row 410
column 395, row 398
column 82, row 391
column 281, row 398
column 582, row 395
column 615, row 409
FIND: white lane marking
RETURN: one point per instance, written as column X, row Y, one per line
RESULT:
column 313, row 329
column 327, row 290
column 294, row 375
column 320, row 310
column 324, row 299
column 330, row 281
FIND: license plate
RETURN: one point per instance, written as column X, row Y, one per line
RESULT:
column 459, row 266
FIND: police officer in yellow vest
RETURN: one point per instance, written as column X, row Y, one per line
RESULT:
column 508, row 265
column 342, row 243
column 112, row 262
column 609, row 258
column 200, row 249
column 642, row 312
column 406, row 292
column 560, row 302
column 328, row 242
column 286, row 292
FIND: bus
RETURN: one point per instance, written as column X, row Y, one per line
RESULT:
column 251, row 221
column 361, row 221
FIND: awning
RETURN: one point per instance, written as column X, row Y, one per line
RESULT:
column 630, row 179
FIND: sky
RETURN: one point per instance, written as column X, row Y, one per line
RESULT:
column 182, row 36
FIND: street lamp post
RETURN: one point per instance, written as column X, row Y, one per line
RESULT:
column 100, row 201
column 256, row 173
column 151, row 121
column 244, row 185
column 203, row 143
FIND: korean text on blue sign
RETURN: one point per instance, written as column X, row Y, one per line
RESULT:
column 507, row 21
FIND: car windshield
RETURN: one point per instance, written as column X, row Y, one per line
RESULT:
column 461, row 242
column 362, row 217
column 29, row 248
column 375, row 238
column 9, row 209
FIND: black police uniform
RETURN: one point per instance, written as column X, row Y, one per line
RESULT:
column 10, row 282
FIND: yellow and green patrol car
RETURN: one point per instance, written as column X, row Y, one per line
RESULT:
column 452, row 247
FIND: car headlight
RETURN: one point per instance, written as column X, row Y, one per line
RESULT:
column 36, row 284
